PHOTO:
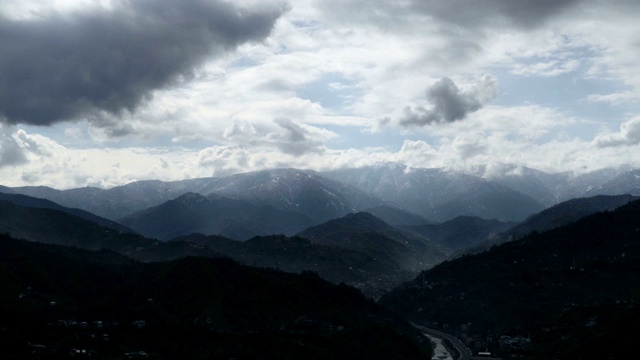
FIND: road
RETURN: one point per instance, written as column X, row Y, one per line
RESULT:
column 463, row 350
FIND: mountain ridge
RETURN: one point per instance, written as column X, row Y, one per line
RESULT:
column 364, row 232
column 438, row 194
column 547, row 286
column 214, row 215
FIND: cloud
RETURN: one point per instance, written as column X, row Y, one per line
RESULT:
column 449, row 103
column 469, row 14
column 227, row 160
column 467, row 148
column 102, row 127
column 59, row 67
column 287, row 136
column 297, row 140
column 524, row 14
column 74, row 133
column 224, row 160
column 615, row 98
column 416, row 153
column 11, row 153
column 17, row 147
column 548, row 68
column 628, row 135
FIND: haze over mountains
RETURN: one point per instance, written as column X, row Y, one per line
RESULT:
column 116, row 202
column 288, row 201
column 371, row 228
column 440, row 195
column 510, row 194
column 418, row 218
column 446, row 210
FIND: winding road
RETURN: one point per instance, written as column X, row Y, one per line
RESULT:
column 462, row 349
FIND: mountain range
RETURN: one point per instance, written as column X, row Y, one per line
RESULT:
column 627, row 182
column 494, row 254
column 336, row 263
column 547, row 188
column 398, row 228
column 398, row 194
column 438, row 194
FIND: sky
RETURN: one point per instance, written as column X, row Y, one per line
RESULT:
column 106, row 92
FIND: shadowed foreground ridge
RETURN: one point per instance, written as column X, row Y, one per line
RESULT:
column 56, row 299
column 573, row 291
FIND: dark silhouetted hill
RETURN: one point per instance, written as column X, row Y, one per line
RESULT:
column 461, row 233
column 296, row 254
column 214, row 215
column 573, row 289
column 28, row 201
column 366, row 233
column 566, row 213
column 61, row 228
column 59, row 302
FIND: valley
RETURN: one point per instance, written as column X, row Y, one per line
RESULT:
column 519, row 274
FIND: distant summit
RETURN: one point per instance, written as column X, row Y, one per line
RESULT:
column 439, row 194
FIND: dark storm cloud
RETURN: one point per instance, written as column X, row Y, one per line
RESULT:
column 65, row 66
column 466, row 14
column 110, row 126
column 472, row 13
column 449, row 103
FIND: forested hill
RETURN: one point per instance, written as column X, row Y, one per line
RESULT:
column 579, row 283
column 58, row 302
